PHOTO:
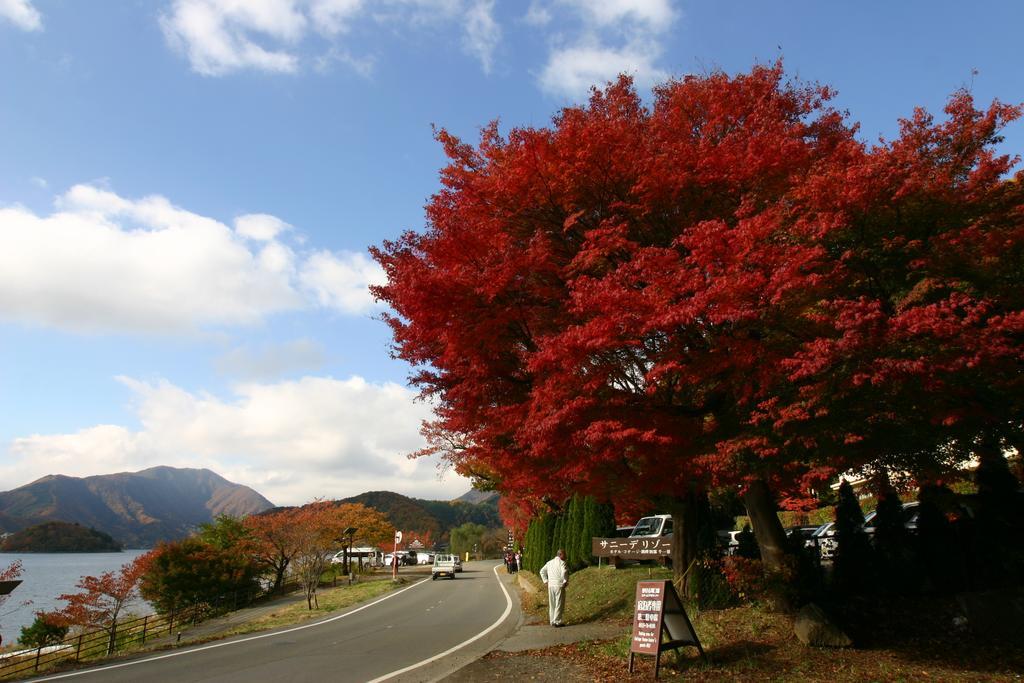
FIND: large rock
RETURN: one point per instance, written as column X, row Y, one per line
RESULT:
column 995, row 614
column 814, row 628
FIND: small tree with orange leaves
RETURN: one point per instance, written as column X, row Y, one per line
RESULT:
column 103, row 599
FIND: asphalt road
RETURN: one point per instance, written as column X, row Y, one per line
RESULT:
column 408, row 635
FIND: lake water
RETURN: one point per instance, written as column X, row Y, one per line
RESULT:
column 44, row 576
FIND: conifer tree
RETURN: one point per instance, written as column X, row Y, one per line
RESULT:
column 939, row 556
column 588, row 530
column 528, row 544
column 890, row 541
column 853, row 552
column 605, row 520
column 558, row 537
column 547, row 539
column 574, row 532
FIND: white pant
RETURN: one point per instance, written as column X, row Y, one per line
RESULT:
column 556, row 603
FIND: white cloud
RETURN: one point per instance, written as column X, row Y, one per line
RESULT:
column 271, row 362
column 223, row 36
column 482, row 33
column 612, row 37
column 39, row 182
column 102, row 263
column 333, row 16
column 260, row 226
column 361, row 66
column 339, row 281
column 573, row 70
column 537, row 14
column 22, row 14
column 217, row 35
column 291, row 441
column 655, row 15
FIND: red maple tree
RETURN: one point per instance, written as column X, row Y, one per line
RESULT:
column 917, row 360
column 102, row 599
column 642, row 303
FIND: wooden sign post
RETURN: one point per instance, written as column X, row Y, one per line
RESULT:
column 659, row 612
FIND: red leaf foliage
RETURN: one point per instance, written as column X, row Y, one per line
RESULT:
column 723, row 285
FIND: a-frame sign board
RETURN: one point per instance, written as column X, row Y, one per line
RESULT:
column 660, row 623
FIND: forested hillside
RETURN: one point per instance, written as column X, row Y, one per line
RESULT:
column 436, row 517
column 59, row 537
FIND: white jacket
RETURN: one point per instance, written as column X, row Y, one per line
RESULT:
column 555, row 573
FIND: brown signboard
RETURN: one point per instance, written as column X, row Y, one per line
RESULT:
column 660, row 623
column 639, row 548
column 650, row 602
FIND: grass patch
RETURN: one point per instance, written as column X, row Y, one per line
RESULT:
column 593, row 594
column 329, row 599
column 897, row 640
column 750, row 644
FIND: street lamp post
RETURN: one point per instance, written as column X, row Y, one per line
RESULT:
column 347, row 557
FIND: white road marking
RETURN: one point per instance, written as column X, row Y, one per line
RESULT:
column 504, row 615
column 232, row 642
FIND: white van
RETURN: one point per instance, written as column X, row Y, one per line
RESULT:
column 444, row 565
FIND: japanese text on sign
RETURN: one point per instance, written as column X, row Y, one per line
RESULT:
column 647, row 617
column 633, row 548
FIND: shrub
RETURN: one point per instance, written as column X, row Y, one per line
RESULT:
column 45, row 630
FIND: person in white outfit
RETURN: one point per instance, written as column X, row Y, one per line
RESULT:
column 556, row 575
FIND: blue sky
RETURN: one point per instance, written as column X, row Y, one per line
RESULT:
column 188, row 189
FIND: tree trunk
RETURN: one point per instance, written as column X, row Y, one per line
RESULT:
column 685, row 527
column 279, row 576
column 771, row 538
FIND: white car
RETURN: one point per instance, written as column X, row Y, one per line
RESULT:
column 910, row 512
column 729, row 541
column 824, row 540
column 444, row 565
column 655, row 525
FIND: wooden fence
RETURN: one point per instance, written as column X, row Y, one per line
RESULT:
column 99, row 643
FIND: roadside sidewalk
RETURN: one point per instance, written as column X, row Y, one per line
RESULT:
column 528, row 654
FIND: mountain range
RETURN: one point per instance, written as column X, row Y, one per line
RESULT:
column 136, row 508
column 165, row 503
column 433, row 517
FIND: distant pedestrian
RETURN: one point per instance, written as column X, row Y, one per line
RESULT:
column 513, row 563
column 519, row 560
column 556, row 575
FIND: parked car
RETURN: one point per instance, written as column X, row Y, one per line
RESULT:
column 824, row 540
column 623, row 531
column 655, row 525
column 458, row 564
column 444, row 565
column 911, row 511
column 801, row 532
column 729, row 541
column 404, row 558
